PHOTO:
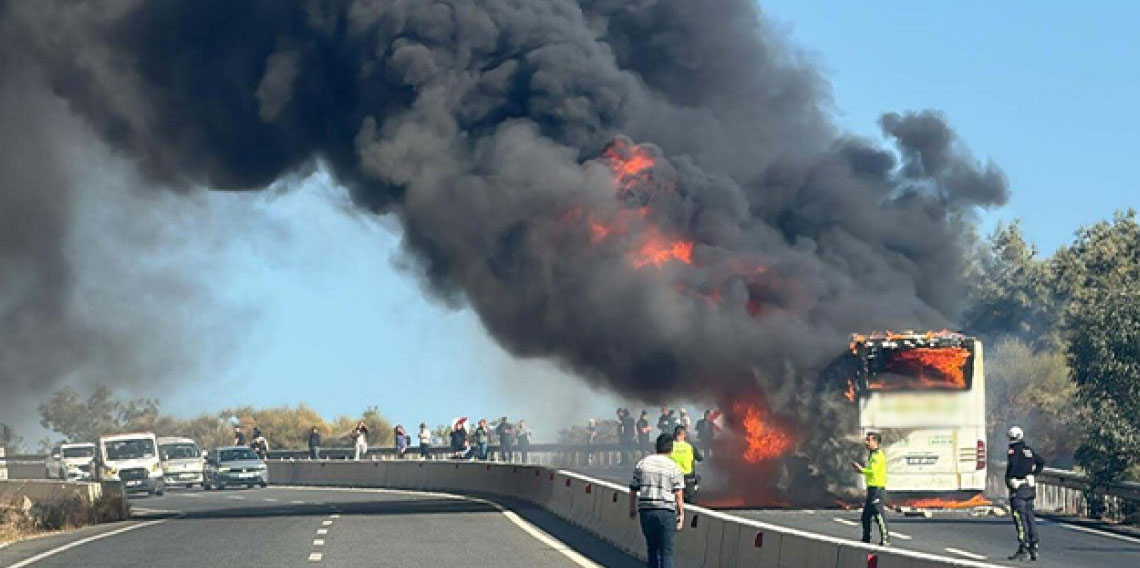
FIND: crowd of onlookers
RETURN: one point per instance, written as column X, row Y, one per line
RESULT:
column 511, row 440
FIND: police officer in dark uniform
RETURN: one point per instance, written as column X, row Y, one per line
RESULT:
column 1020, row 471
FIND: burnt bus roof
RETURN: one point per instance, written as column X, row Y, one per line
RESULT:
column 910, row 339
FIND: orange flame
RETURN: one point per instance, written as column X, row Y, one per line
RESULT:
column 763, row 440
column 928, row 366
column 849, row 394
column 658, row 250
column 936, row 503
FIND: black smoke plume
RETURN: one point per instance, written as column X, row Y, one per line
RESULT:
column 484, row 127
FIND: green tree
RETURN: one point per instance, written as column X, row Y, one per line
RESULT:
column 1010, row 290
column 1031, row 388
column 1099, row 275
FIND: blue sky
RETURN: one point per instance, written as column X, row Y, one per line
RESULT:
column 1046, row 90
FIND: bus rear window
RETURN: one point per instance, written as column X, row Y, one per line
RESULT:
column 919, row 368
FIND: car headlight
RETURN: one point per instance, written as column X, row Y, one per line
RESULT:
column 110, row 470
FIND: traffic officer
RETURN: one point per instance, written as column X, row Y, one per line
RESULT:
column 683, row 455
column 1020, row 471
column 875, row 473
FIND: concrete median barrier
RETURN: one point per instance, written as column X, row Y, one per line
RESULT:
column 710, row 538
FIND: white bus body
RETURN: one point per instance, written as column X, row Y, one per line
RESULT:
column 934, row 434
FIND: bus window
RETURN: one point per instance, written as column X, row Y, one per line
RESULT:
column 919, row 368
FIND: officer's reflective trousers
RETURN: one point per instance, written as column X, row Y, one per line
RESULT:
column 873, row 508
column 1021, row 508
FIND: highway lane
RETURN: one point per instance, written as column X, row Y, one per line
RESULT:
column 957, row 534
column 320, row 527
column 953, row 533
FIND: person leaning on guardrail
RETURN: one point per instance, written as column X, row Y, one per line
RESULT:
column 656, row 494
column 1020, row 477
column 875, row 473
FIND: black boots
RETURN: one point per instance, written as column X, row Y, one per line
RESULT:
column 1021, row 554
column 1025, row 553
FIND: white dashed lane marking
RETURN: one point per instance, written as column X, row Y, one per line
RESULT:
column 965, row 553
column 326, row 523
column 315, row 556
column 334, row 516
column 322, row 531
column 845, row 522
column 318, row 542
column 900, row 535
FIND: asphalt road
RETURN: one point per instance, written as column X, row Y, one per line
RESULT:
column 955, row 534
column 281, row 527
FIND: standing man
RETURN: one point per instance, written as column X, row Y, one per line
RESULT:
column 663, row 421
column 425, row 441
column 591, row 436
column 482, row 440
column 875, row 473
column 1020, row 477
column 239, row 436
column 626, row 436
column 684, row 454
column 523, row 435
column 506, row 432
column 360, row 439
column 656, row 494
column 314, row 444
column 643, row 432
column 705, row 431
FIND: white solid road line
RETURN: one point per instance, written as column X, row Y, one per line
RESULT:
column 82, row 541
column 965, row 553
column 315, row 556
column 520, row 522
column 845, row 522
column 1099, row 532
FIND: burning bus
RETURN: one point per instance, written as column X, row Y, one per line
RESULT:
column 926, row 394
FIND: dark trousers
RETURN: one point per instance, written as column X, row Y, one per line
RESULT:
column 873, row 509
column 314, row 453
column 425, row 450
column 525, row 451
column 506, row 452
column 1021, row 507
column 626, row 452
column 659, row 527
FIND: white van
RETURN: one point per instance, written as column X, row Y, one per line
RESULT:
column 132, row 459
column 182, row 461
column 70, row 462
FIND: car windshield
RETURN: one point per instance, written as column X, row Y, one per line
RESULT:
column 179, row 451
column 129, row 449
column 84, row 452
column 238, row 454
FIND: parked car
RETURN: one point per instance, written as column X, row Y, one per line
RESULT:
column 71, row 462
column 235, row 465
column 182, row 462
column 132, row 459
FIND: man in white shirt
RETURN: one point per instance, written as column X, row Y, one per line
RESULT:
column 656, row 494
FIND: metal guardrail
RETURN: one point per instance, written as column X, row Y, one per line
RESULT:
column 1068, row 492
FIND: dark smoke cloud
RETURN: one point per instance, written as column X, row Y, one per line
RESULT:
column 95, row 286
column 479, row 123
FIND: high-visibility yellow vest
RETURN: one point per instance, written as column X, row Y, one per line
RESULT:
column 683, row 456
column 876, row 471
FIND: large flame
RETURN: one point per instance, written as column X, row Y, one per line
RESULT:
column 763, row 439
column 924, row 367
column 657, row 250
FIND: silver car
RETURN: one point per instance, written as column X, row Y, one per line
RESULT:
column 235, row 465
